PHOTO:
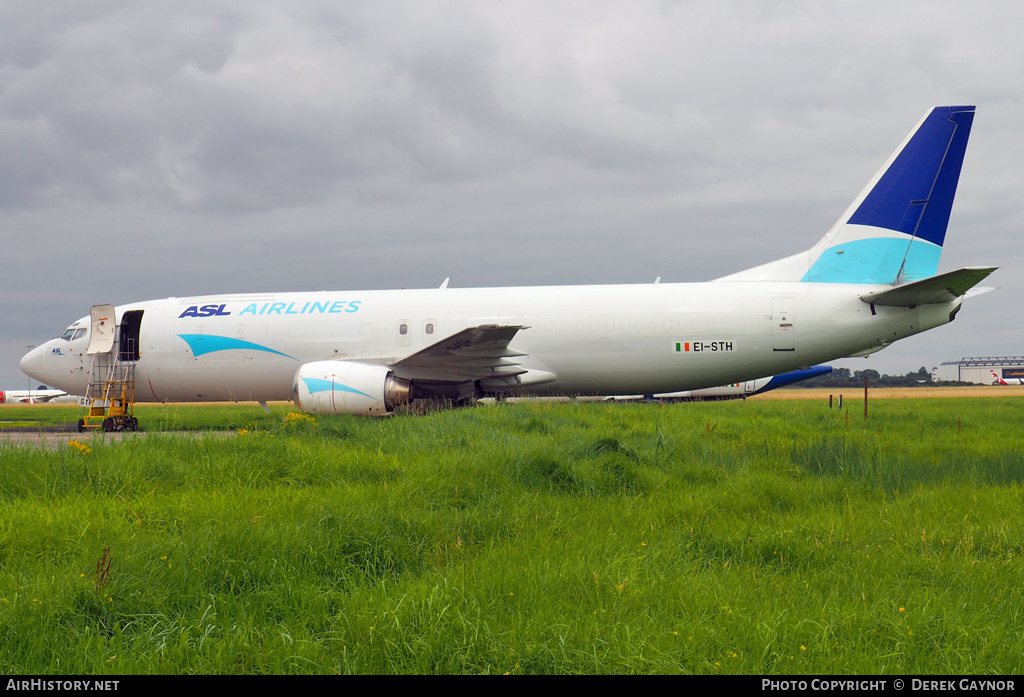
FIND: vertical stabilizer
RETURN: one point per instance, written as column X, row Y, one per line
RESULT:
column 893, row 231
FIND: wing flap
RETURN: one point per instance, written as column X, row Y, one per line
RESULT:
column 944, row 288
column 475, row 353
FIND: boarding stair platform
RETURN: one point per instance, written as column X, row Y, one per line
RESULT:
column 110, row 396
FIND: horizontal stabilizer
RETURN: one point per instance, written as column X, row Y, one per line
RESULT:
column 943, row 288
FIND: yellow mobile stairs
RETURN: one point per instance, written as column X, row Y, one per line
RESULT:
column 110, row 395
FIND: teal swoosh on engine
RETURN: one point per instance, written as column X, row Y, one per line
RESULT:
column 321, row 385
column 202, row 344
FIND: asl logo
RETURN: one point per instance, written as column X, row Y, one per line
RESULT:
column 205, row 311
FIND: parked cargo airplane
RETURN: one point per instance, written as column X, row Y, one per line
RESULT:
column 868, row 282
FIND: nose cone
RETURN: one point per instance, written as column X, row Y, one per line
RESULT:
column 32, row 363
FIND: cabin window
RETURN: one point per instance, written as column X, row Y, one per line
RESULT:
column 403, row 328
column 429, row 329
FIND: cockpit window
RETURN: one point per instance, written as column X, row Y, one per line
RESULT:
column 72, row 333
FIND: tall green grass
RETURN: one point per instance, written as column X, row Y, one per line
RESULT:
column 757, row 537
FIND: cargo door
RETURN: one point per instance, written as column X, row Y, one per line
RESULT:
column 103, row 329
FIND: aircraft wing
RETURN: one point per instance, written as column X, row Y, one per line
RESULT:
column 44, row 398
column 475, row 353
column 943, row 288
column 30, row 396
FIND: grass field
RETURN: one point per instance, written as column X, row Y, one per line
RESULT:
column 767, row 537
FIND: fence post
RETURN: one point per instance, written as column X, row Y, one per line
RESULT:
column 865, row 398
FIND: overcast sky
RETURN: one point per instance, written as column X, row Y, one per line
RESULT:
column 158, row 149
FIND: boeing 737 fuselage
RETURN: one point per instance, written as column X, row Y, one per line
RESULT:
column 869, row 282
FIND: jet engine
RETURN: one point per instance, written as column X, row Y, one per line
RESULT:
column 344, row 387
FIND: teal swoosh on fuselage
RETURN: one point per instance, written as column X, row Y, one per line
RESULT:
column 201, row 344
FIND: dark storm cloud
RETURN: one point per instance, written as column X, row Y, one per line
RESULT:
column 100, row 100
column 238, row 115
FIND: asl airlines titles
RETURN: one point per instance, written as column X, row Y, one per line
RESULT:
column 308, row 308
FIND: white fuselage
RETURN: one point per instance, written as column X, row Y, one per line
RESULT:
column 595, row 340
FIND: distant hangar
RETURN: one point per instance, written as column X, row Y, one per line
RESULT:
column 983, row 370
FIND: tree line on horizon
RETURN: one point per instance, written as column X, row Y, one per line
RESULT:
column 843, row 377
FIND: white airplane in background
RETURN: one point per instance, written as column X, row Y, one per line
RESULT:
column 868, row 282
column 31, row 396
column 737, row 390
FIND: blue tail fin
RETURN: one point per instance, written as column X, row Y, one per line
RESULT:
column 893, row 231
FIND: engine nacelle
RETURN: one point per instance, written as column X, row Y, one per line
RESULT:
column 343, row 387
